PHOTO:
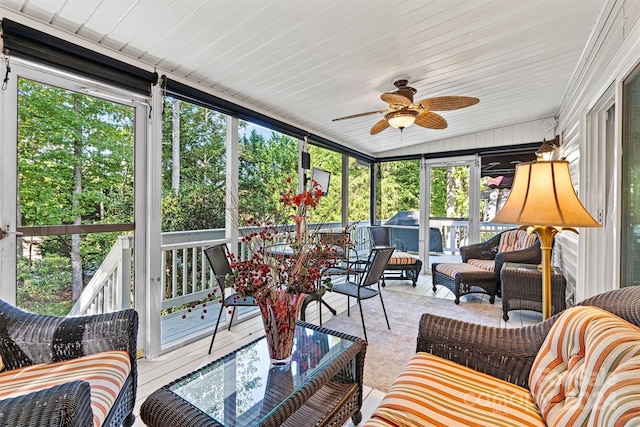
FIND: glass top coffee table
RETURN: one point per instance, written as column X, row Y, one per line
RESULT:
column 321, row 386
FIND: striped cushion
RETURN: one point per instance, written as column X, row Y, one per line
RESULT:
column 401, row 258
column 105, row 372
column 515, row 240
column 460, row 267
column 485, row 264
column 432, row 391
column 587, row 371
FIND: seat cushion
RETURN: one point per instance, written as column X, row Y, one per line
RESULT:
column 485, row 264
column 432, row 391
column 587, row 372
column 401, row 258
column 515, row 240
column 105, row 372
column 451, row 269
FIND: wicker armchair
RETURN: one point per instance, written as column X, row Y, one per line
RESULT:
column 508, row 353
column 489, row 250
column 479, row 271
column 28, row 339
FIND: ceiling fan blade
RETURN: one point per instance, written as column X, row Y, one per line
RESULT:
column 359, row 115
column 446, row 103
column 379, row 127
column 395, row 99
column 430, row 120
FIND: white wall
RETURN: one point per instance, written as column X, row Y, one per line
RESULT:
column 612, row 52
column 521, row 133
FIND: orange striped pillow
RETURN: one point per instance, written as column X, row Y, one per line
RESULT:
column 620, row 397
column 587, row 369
column 105, row 372
column 485, row 264
column 515, row 240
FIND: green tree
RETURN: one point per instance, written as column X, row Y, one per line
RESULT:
column 399, row 187
column 264, row 166
column 197, row 200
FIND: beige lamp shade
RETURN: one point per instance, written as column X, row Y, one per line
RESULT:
column 542, row 194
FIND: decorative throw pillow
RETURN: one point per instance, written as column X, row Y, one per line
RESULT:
column 587, row 372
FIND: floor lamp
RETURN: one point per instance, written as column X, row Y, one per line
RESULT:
column 543, row 200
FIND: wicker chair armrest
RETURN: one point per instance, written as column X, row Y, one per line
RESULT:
column 484, row 250
column 65, row 405
column 624, row 303
column 505, row 353
column 27, row 338
column 530, row 255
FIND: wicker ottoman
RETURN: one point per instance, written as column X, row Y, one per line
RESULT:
column 462, row 279
column 406, row 264
column 522, row 288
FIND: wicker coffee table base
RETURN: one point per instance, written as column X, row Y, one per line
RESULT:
column 329, row 397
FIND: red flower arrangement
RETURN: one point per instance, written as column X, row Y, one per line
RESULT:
column 281, row 262
column 282, row 269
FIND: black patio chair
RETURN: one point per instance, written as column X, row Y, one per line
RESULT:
column 217, row 257
column 378, row 259
column 350, row 261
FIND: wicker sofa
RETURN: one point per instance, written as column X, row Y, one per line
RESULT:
column 60, row 371
column 517, row 377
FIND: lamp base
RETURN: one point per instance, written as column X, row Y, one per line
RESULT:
column 546, row 234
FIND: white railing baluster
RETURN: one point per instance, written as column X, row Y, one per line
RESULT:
column 185, row 263
column 174, row 273
column 194, row 266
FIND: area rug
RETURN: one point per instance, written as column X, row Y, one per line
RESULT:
column 389, row 350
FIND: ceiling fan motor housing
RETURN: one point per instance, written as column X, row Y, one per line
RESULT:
column 404, row 90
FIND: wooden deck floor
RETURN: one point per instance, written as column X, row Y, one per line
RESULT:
column 154, row 373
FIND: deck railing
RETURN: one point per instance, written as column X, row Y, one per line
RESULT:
column 110, row 288
column 187, row 276
column 455, row 232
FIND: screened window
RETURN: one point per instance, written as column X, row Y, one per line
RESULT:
column 75, row 189
column 398, row 188
column 631, row 182
column 329, row 209
column 193, row 167
column 266, row 159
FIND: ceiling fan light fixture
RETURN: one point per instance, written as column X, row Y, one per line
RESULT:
column 402, row 118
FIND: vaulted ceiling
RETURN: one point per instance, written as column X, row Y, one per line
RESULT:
column 308, row 62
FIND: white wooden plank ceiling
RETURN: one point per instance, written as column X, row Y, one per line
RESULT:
column 308, row 62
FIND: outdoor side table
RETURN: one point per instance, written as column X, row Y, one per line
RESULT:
column 321, row 387
column 522, row 288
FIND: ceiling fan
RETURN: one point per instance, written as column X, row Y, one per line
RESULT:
column 403, row 112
